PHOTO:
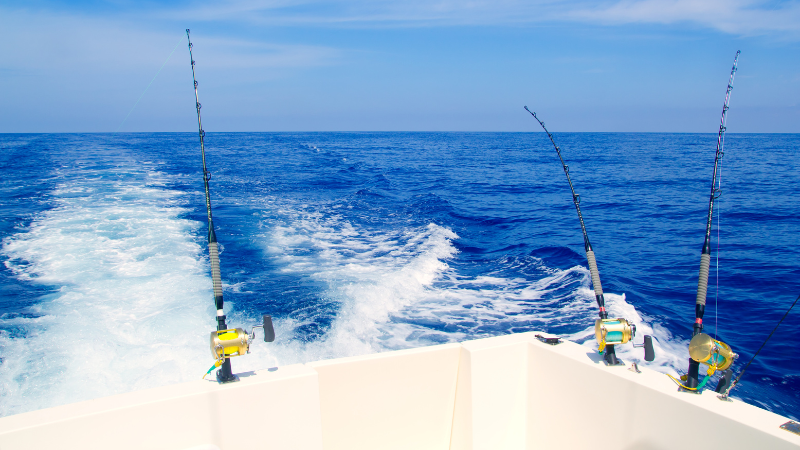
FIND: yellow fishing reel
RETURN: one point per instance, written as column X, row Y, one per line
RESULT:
column 620, row 331
column 229, row 343
column 613, row 332
column 236, row 341
column 715, row 354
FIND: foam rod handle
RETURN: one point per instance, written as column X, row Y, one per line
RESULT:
column 216, row 278
column 702, row 279
column 649, row 353
column 269, row 331
column 598, row 288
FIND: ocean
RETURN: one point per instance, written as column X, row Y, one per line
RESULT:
column 358, row 243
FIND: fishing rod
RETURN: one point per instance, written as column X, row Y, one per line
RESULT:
column 608, row 332
column 225, row 343
column 724, row 395
column 702, row 347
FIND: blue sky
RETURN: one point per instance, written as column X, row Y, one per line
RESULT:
column 330, row 65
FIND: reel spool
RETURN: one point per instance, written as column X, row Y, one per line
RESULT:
column 236, row 341
column 229, row 343
column 620, row 331
column 613, row 332
column 716, row 354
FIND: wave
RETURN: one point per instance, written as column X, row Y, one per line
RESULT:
column 365, row 275
column 393, row 288
column 125, row 273
column 130, row 303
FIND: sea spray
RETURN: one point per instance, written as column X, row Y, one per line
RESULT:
column 126, row 274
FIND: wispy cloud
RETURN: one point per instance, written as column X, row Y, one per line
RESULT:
column 60, row 39
column 237, row 53
column 374, row 13
column 738, row 17
column 71, row 66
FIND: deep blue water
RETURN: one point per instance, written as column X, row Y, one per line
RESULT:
column 364, row 242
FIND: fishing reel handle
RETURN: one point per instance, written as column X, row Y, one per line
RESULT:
column 266, row 325
column 649, row 352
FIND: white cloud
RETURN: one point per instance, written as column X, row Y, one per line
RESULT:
column 64, row 71
column 36, row 41
column 738, row 17
column 237, row 53
column 376, row 13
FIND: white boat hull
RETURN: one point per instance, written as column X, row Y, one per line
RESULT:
column 507, row 392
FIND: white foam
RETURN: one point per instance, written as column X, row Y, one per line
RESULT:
column 132, row 304
column 370, row 276
column 671, row 353
column 396, row 290
column 127, row 310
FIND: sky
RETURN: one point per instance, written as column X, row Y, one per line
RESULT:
column 381, row 65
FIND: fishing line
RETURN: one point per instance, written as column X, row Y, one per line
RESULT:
column 608, row 332
column 151, row 82
column 719, row 226
column 719, row 207
column 705, row 254
column 725, row 395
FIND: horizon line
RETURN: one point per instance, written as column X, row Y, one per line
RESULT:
column 389, row 131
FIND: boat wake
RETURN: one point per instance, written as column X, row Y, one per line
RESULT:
column 383, row 290
column 125, row 309
column 129, row 305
